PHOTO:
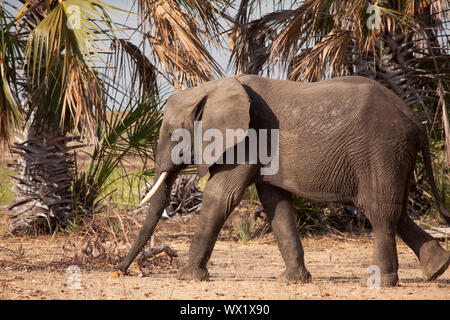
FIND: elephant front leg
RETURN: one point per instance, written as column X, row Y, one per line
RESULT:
column 222, row 193
column 278, row 206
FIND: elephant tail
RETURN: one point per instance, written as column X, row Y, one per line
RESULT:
column 425, row 149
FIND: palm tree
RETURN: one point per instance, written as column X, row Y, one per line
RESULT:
column 61, row 91
column 65, row 65
column 10, row 53
column 401, row 43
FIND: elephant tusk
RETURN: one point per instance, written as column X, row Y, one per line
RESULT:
column 155, row 188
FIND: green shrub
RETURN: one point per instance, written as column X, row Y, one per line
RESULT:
column 6, row 195
column 244, row 228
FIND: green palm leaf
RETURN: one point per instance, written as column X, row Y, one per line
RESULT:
column 11, row 50
column 62, row 56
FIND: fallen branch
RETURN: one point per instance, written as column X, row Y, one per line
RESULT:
column 155, row 252
column 151, row 253
column 18, row 253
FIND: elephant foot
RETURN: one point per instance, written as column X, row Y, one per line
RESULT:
column 296, row 275
column 434, row 260
column 389, row 280
column 192, row 272
column 384, row 280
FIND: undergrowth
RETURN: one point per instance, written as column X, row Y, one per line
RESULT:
column 6, row 195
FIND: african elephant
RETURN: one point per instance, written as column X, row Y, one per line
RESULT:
column 346, row 140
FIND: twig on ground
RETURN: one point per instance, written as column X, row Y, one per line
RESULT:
column 18, row 253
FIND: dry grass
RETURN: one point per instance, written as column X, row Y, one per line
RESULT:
column 36, row 268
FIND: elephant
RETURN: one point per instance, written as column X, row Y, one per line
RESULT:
column 346, row 140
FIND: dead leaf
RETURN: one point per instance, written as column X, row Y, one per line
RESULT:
column 114, row 274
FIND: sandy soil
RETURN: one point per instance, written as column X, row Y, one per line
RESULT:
column 237, row 271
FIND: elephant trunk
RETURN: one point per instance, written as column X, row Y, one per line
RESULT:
column 159, row 201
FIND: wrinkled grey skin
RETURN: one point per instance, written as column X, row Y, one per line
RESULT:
column 346, row 140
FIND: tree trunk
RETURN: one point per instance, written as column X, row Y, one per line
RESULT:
column 45, row 167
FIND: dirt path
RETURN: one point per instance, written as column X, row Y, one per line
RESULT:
column 237, row 272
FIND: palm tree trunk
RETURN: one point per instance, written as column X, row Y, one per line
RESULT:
column 45, row 167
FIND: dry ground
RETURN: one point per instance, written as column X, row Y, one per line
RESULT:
column 237, row 271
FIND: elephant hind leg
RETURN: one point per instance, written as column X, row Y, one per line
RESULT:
column 279, row 208
column 384, row 218
column 434, row 260
column 385, row 253
column 383, row 196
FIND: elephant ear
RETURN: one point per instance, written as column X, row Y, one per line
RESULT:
column 221, row 104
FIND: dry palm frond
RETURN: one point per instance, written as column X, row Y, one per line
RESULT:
column 175, row 37
column 328, row 55
column 246, row 10
column 250, row 42
column 207, row 13
column 445, row 121
column 314, row 20
column 142, row 67
column 182, row 70
column 303, row 21
column 82, row 92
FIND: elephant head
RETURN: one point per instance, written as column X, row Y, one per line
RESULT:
column 219, row 105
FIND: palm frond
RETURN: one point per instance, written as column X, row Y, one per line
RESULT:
column 175, row 37
column 72, row 26
column 250, row 42
column 207, row 13
column 63, row 49
column 11, row 51
column 140, row 67
column 310, row 18
column 314, row 20
column 329, row 56
column 130, row 131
